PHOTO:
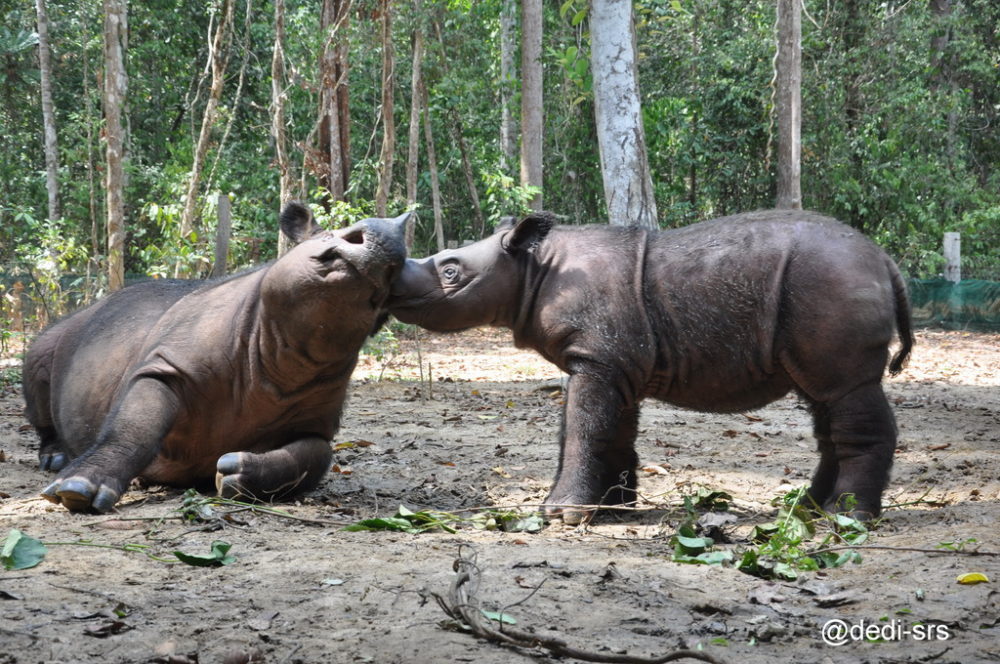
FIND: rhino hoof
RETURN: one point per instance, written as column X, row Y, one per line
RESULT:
column 227, row 476
column 571, row 516
column 54, row 462
column 78, row 494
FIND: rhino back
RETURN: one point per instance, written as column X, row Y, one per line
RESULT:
column 86, row 355
column 737, row 300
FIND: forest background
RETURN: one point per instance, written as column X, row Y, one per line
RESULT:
column 900, row 105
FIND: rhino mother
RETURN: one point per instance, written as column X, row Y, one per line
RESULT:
column 722, row 316
column 241, row 380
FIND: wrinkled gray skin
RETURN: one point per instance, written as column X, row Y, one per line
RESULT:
column 722, row 316
column 240, row 380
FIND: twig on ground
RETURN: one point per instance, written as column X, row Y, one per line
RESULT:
column 871, row 547
column 462, row 605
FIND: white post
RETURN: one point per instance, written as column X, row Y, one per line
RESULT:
column 953, row 257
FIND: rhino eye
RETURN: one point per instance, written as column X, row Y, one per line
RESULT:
column 450, row 274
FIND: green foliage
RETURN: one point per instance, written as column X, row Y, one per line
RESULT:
column 781, row 548
column 897, row 137
column 216, row 557
column 408, row 521
column 20, row 551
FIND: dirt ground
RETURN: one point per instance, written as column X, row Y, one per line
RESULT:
column 480, row 430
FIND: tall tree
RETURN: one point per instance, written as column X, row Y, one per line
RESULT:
column 432, row 165
column 628, row 184
column 532, row 118
column 218, row 59
column 508, row 48
column 416, row 102
column 388, row 151
column 334, row 127
column 278, row 116
column 115, row 89
column 788, row 104
column 48, row 111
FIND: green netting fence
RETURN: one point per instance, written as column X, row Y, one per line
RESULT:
column 970, row 304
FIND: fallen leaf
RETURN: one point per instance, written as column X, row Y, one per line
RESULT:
column 262, row 621
column 972, row 578
column 106, row 629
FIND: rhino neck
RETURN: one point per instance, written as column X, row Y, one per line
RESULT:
column 294, row 350
column 521, row 313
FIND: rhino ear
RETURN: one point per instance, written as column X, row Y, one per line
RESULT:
column 528, row 232
column 297, row 222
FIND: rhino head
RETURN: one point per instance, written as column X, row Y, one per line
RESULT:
column 479, row 284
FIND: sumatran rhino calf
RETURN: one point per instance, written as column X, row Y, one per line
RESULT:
column 241, row 379
column 722, row 316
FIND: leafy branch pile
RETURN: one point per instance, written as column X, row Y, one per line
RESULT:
column 781, row 548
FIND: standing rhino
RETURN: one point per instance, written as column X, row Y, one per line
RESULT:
column 241, row 379
column 722, row 316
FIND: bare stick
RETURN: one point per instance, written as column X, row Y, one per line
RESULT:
column 462, row 605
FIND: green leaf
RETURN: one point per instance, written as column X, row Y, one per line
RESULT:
column 578, row 18
column 216, row 558
column 499, row 617
column 20, row 551
column 383, row 523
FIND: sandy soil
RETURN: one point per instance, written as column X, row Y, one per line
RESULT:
column 482, row 432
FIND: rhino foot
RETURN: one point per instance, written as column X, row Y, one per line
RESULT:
column 79, row 494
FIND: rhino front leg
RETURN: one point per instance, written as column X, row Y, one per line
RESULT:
column 597, row 460
column 295, row 468
column 130, row 440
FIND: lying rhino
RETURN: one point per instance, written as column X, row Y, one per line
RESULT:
column 722, row 316
column 241, row 379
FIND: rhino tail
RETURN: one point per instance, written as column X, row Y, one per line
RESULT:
column 904, row 326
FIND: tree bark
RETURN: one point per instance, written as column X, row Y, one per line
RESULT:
column 218, row 61
column 281, row 158
column 432, row 164
column 508, row 47
column 788, row 80
column 115, row 89
column 413, row 142
column 621, row 140
column 388, row 152
column 458, row 131
column 48, row 111
column 334, row 133
column 532, row 118
column 222, row 235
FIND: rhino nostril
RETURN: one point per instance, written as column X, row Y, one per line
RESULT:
column 356, row 236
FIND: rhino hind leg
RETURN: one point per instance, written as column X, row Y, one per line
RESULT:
column 857, row 438
column 274, row 475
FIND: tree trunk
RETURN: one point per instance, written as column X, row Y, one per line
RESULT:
column 532, row 119
column 334, row 134
column 788, row 79
column 218, row 61
column 508, row 47
column 432, row 164
column 247, row 48
column 621, row 140
column 115, row 89
column 943, row 65
column 388, row 152
column 413, row 144
column 48, row 111
column 459, row 133
column 222, row 233
column 278, row 116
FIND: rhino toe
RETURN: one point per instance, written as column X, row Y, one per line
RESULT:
column 78, row 494
column 54, row 462
column 228, row 479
